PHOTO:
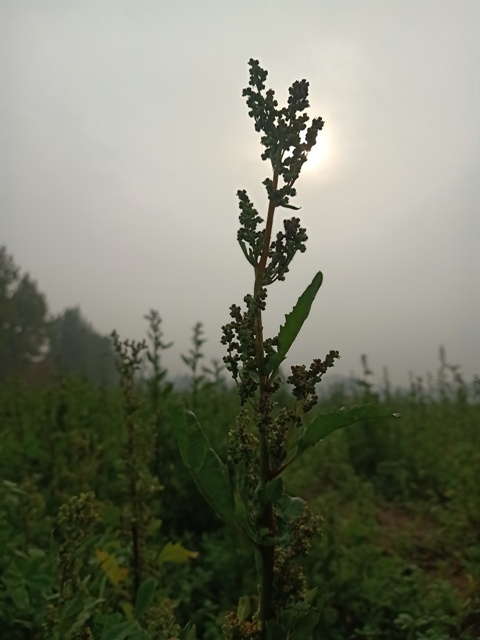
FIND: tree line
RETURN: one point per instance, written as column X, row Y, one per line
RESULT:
column 37, row 345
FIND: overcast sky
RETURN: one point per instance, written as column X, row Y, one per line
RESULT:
column 124, row 138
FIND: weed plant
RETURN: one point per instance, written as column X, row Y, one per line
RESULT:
column 249, row 494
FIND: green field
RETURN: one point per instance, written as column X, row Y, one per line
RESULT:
column 398, row 555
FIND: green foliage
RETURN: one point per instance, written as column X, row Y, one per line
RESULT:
column 399, row 554
column 294, row 322
column 76, row 348
column 326, row 423
column 144, row 596
column 189, row 633
column 208, row 471
column 157, row 384
column 23, row 318
column 192, row 360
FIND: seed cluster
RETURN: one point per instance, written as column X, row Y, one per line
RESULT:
column 304, row 380
column 286, row 137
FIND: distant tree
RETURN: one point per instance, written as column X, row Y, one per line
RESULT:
column 23, row 318
column 76, row 348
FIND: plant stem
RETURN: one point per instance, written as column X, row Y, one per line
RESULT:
column 268, row 232
column 135, row 516
column 267, row 553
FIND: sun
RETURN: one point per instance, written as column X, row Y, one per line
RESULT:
column 318, row 156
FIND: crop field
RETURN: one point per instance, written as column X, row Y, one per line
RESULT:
column 98, row 507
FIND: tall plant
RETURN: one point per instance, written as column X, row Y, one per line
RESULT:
column 248, row 491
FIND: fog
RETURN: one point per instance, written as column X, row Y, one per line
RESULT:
column 124, row 138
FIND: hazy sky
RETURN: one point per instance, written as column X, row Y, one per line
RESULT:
column 124, row 138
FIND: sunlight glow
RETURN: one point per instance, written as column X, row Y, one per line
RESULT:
column 319, row 155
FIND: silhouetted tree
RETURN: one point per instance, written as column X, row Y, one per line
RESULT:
column 23, row 318
column 76, row 348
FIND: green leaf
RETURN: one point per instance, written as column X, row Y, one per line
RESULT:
column 324, row 424
column 20, row 598
column 12, row 578
column 76, row 613
column 243, row 608
column 305, row 625
column 11, row 487
column 122, row 631
column 40, row 582
column 310, row 596
column 288, row 510
column 144, row 597
column 294, row 322
column 244, row 509
column 275, row 631
column 269, row 492
column 208, row 471
column 239, row 474
column 289, row 206
column 248, row 254
column 174, row 552
column 189, row 632
column 245, row 521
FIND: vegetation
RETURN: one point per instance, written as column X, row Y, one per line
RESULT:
column 36, row 346
column 398, row 554
column 105, row 520
column 23, row 317
column 249, row 494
